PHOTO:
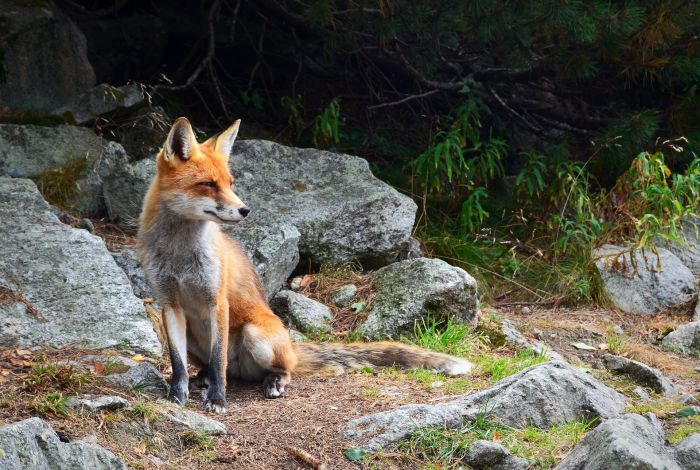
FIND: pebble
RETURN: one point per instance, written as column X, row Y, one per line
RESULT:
column 688, row 400
column 526, row 310
column 617, row 329
column 295, row 284
column 643, row 394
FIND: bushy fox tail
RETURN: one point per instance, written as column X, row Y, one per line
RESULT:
column 339, row 358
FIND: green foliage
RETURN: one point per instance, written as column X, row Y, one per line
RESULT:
column 326, row 126
column 253, row 99
column 295, row 120
column 198, row 439
column 52, row 403
column 501, row 367
column 444, row 336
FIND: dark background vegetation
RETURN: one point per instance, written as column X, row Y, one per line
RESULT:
column 527, row 131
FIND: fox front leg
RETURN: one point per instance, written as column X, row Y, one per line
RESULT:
column 215, row 397
column 175, row 326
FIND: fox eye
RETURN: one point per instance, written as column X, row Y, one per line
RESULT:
column 208, row 184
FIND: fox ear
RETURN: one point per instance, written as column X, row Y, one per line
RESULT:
column 180, row 141
column 225, row 140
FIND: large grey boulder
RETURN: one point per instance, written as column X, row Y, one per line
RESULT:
column 688, row 250
column 303, row 313
column 101, row 100
column 408, row 290
column 631, row 441
column 489, row 455
column 60, row 284
column 272, row 245
column 688, row 453
column 542, row 395
column 28, row 151
column 33, row 444
column 127, row 258
column 341, row 210
column 657, row 283
column 684, row 340
column 641, row 373
column 44, row 57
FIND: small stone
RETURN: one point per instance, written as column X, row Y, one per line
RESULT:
column 643, row 394
column 143, row 377
column 192, row 420
column 492, row 455
column 87, row 225
column 640, row 372
column 297, row 336
column 295, row 285
column 688, row 400
column 617, row 329
column 526, row 310
column 437, row 384
column 683, row 340
column 108, row 403
column 344, row 295
column 688, row 453
column 537, row 333
column 302, row 312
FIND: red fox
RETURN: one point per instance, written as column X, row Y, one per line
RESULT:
column 214, row 309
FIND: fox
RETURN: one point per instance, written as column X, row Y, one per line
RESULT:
column 214, row 308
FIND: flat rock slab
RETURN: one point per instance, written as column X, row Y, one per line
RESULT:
column 94, row 405
column 657, row 283
column 191, row 420
column 408, row 290
column 684, row 340
column 641, row 373
column 305, row 314
column 631, row 441
column 33, row 444
column 542, row 395
column 60, row 284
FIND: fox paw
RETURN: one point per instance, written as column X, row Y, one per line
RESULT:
column 215, row 406
column 273, row 386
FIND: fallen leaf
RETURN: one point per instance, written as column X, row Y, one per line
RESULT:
column 23, row 352
column 583, row 346
column 306, row 280
column 603, row 346
column 688, row 412
column 20, row 362
column 99, row 367
column 138, row 358
column 354, row 454
column 496, row 436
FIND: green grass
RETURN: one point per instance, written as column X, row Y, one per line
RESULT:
column 446, row 337
column 371, row 392
column 684, row 429
column 148, row 411
column 543, row 448
column 500, row 367
column 52, row 403
column 198, row 439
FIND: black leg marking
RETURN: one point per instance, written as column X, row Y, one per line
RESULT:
column 179, row 380
column 215, row 398
column 273, row 385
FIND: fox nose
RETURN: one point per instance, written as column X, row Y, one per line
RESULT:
column 244, row 211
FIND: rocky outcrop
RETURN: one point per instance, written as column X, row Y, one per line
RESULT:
column 341, row 210
column 44, row 61
column 101, row 100
column 516, row 338
column 684, row 340
column 650, row 285
column 303, row 313
column 640, row 373
column 540, row 396
column 59, row 285
column 631, row 441
column 407, row 290
column 32, row 443
column 78, row 158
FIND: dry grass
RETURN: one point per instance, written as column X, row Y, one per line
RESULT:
column 114, row 237
column 325, row 283
column 9, row 296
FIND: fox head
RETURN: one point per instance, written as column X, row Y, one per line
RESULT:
column 194, row 179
